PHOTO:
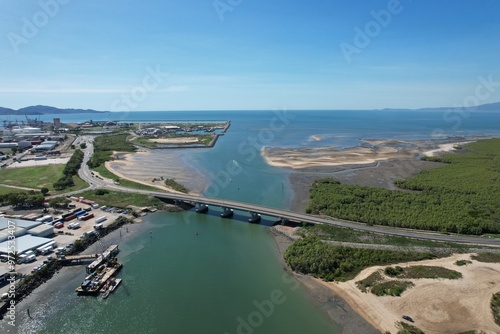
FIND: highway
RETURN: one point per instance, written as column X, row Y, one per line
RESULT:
column 95, row 182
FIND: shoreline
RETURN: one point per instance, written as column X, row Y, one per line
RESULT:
column 63, row 283
column 334, row 303
column 368, row 152
column 330, row 302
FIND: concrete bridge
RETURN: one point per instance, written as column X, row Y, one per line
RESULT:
column 297, row 217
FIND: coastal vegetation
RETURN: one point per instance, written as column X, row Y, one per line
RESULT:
column 462, row 197
column 417, row 272
column 409, row 329
column 105, row 145
column 312, row 256
column 487, row 257
column 379, row 286
column 391, row 288
column 20, row 200
column 122, row 199
column 461, row 263
column 495, row 307
column 69, row 171
column 171, row 183
column 335, row 233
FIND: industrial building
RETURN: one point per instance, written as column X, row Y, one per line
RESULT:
column 24, row 244
column 28, row 234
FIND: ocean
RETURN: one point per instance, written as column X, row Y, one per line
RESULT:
column 228, row 278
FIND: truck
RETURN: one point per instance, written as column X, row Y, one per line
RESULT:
column 100, row 219
column 30, row 258
column 74, row 226
column 98, row 226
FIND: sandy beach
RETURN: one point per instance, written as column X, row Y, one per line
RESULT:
column 436, row 305
column 329, row 301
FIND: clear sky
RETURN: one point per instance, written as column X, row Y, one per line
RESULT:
column 248, row 54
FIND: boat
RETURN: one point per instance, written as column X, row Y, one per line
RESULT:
column 115, row 284
column 106, row 294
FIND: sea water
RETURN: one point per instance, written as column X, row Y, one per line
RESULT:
column 196, row 273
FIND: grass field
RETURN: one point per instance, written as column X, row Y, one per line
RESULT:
column 37, row 178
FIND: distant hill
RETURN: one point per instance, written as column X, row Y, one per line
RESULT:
column 42, row 110
column 482, row 107
column 6, row 111
column 489, row 107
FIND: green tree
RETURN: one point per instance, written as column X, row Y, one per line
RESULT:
column 44, row 191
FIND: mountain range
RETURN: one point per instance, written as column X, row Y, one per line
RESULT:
column 42, row 110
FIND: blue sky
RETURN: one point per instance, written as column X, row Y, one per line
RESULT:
column 248, row 54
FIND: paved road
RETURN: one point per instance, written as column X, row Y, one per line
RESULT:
column 95, row 182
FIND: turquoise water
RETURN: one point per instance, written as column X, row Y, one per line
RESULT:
column 228, row 278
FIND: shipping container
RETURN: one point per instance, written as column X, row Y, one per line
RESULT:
column 68, row 218
column 87, row 217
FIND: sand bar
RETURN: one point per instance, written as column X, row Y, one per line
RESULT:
column 371, row 151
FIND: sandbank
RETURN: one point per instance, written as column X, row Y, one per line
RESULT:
column 128, row 164
column 371, row 151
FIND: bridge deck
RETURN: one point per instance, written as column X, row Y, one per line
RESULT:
column 302, row 217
